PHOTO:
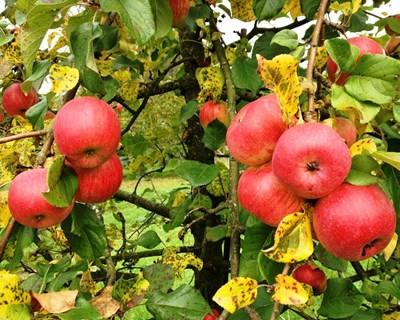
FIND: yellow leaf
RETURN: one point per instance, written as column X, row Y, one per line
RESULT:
column 63, row 78
column 363, row 146
column 289, row 291
column 347, row 8
column 12, row 53
column 10, row 290
column 105, row 67
column 5, row 214
column 211, row 81
column 392, row 316
column 57, row 302
column 292, row 240
column 122, row 75
column 129, row 90
column 321, row 58
column 87, row 284
column 293, row 7
column 243, row 10
column 391, row 247
column 280, row 76
column 181, row 262
column 236, row 294
column 392, row 158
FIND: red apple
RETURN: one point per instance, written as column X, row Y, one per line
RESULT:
column 254, row 131
column 2, row 116
column 345, row 128
column 87, row 132
column 99, row 184
column 27, row 204
column 264, row 196
column 212, row 110
column 213, row 315
column 180, row 10
column 310, row 274
column 354, row 222
column 16, row 102
column 365, row 45
column 311, row 159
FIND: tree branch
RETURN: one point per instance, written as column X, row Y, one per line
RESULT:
column 151, row 253
column 297, row 23
column 23, row 136
column 6, row 236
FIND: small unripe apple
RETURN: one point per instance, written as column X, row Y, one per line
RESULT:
column 254, row 131
column 16, row 102
column 27, row 203
column 310, row 274
column 354, row 222
column 365, row 45
column 311, row 160
column 345, row 128
column 264, row 196
column 87, row 132
column 99, row 184
column 212, row 110
column 180, row 10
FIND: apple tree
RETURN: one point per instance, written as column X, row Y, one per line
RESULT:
column 199, row 159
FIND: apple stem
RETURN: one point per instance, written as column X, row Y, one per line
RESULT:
column 311, row 114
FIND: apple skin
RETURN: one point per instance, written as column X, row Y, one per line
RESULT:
column 365, row 45
column 310, row 274
column 213, row 315
column 212, row 110
column 311, row 160
column 263, row 195
column 15, row 102
column 27, row 204
column 345, row 128
column 87, row 132
column 254, row 131
column 354, row 222
column 101, row 183
column 180, row 10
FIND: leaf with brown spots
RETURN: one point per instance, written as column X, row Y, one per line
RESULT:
column 289, row 291
column 105, row 304
column 292, row 240
column 63, row 78
column 236, row 294
column 363, row 146
column 243, row 10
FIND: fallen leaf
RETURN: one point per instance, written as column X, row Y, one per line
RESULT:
column 57, row 302
column 105, row 304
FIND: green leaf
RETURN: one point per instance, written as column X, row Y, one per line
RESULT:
column 149, row 240
column 40, row 70
column 370, row 314
column 217, row 233
column 214, row 135
column 329, row 260
column 396, row 111
column 342, row 53
column 136, row 16
column 359, row 22
column 370, row 89
column 162, row 17
column 309, row 8
column 67, row 275
column 24, row 236
column 341, row 299
column 82, row 47
column 389, row 287
column 244, row 72
column 264, row 47
column 178, row 215
column 378, row 66
column 108, row 39
column 267, row 9
column 36, row 114
column 161, row 277
column 391, row 186
column 199, row 11
column 24, row 5
column 361, row 171
column 16, row 312
column 85, row 232
column 189, row 110
column 62, row 191
column 392, row 158
column 83, row 310
column 5, row 38
column 184, row 303
column 197, row 173
column 135, row 145
column 286, row 38
column 39, row 20
column 341, row 100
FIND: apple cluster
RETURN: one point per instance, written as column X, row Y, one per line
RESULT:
column 289, row 165
column 87, row 132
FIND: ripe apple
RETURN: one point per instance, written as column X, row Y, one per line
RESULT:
column 365, row 45
column 311, row 159
column 27, row 204
column 254, row 131
column 212, row 110
column 16, row 102
column 180, row 10
column 345, row 128
column 354, row 222
column 99, row 184
column 264, row 196
column 87, row 132
column 310, row 274
column 213, row 315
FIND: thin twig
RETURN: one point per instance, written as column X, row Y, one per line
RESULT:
column 359, row 270
column 135, row 115
column 6, row 236
column 277, row 305
column 23, row 136
column 252, row 313
column 311, row 115
column 42, row 155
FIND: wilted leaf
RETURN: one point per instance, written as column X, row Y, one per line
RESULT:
column 160, row 276
column 5, row 214
column 243, row 10
column 236, row 294
column 63, row 78
column 280, row 76
column 321, row 58
column 292, row 240
column 211, row 81
column 105, row 304
column 391, row 247
column 289, row 291
column 57, row 302
column 363, row 146
column 130, row 292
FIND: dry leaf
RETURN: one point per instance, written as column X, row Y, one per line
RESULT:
column 289, row 291
column 105, row 304
column 57, row 302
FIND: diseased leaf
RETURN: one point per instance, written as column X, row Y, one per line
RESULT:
column 236, row 294
column 181, row 262
column 364, row 146
column 347, row 7
column 5, row 214
column 11, row 291
column 161, row 277
column 289, row 291
column 211, row 81
column 294, row 8
column 242, row 10
column 104, row 303
column 63, row 78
